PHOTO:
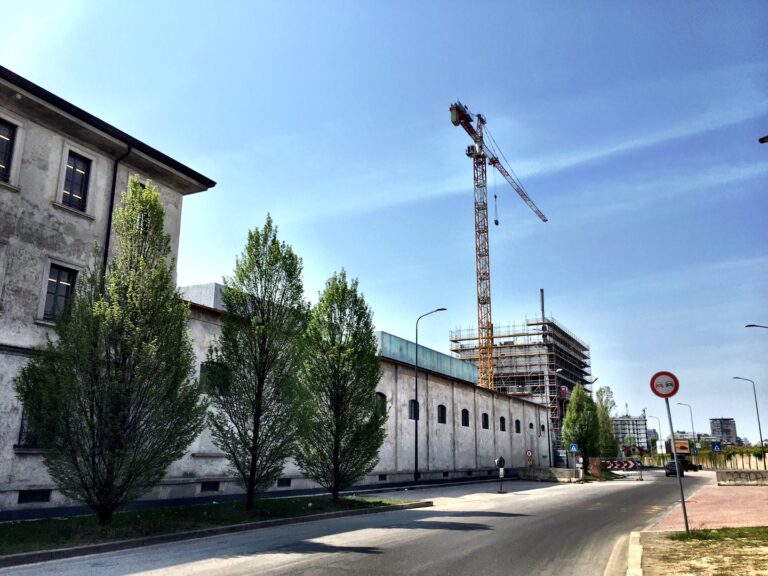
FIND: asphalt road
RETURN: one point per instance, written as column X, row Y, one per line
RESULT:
column 535, row 528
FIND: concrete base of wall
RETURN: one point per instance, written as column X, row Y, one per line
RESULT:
column 742, row 478
column 550, row 474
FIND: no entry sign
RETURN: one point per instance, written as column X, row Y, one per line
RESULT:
column 664, row 384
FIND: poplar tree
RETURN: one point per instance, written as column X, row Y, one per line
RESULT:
column 113, row 399
column 609, row 447
column 252, row 368
column 341, row 419
column 580, row 424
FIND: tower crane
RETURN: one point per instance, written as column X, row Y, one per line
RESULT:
column 479, row 151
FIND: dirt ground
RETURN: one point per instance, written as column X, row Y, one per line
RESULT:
column 742, row 557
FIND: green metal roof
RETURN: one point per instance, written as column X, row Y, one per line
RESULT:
column 402, row 350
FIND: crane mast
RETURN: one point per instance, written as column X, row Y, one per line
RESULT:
column 479, row 153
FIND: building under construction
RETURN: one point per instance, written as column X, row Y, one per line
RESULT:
column 540, row 360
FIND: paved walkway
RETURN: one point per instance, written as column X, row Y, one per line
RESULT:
column 716, row 506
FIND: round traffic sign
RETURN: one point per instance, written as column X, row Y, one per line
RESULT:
column 664, row 384
column 529, row 453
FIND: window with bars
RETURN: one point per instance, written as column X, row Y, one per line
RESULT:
column 485, row 422
column 503, row 424
column 61, row 282
column 76, row 181
column 465, row 417
column 7, row 140
column 517, row 426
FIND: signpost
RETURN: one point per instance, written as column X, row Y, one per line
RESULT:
column 665, row 385
column 500, row 465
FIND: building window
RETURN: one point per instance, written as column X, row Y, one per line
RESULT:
column 382, row 398
column 209, row 486
column 214, row 377
column 382, row 477
column 465, row 417
column 283, row 482
column 517, row 426
column 530, row 425
column 413, row 410
column 76, row 181
column 7, row 141
column 27, row 436
column 61, row 282
column 442, row 414
column 503, row 424
column 485, row 421
column 543, row 428
column 30, row 496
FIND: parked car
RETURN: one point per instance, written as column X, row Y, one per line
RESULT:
column 669, row 468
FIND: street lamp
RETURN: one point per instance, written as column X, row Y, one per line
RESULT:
column 417, row 411
column 693, row 434
column 759, row 429
column 755, row 326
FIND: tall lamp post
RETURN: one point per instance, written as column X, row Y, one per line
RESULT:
column 759, row 429
column 660, row 437
column 693, row 434
column 417, row 411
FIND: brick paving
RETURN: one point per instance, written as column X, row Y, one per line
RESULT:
column 716, row 506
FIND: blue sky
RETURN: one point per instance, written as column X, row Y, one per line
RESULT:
column 633, row 126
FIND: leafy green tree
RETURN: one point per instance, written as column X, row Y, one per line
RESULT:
column 113, row 399
column 342, row 420
column 580, row 425
column 608, row 446
column 255, row 361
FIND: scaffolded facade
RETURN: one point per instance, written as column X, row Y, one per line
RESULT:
column 540, row 360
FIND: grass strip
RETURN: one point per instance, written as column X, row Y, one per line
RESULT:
column 757, row 534
column 51, row 533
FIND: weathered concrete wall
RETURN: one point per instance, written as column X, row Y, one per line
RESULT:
column 742, row 478
column 36, row 229
column 550, row 474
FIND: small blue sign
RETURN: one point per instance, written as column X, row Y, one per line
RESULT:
column 717, row 447
column 695, row 450
column 573, row 448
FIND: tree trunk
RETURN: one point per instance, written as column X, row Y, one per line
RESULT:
column 250, row 494
column 335, row 493
column 104, row 514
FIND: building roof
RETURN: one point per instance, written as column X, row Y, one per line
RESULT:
column 51, row 99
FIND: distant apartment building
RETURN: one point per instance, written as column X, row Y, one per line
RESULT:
column 636, row 426
column 723, row 428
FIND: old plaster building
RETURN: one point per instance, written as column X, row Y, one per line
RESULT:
column 61, row 174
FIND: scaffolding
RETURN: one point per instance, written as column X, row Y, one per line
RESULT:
column 540, row 360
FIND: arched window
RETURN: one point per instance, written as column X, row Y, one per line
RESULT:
column 517, row 426
column 530, row 425
column 543, row 428
column 413, row 410
column 503, row 424
column 382, row 398
column 485, row 421
column 442, row 414
column 465, row 417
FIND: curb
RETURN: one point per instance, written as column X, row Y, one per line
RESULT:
column 61, row 553
column 635, row 555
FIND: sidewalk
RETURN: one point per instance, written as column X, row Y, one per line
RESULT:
column 719, row 507
column 651, row 553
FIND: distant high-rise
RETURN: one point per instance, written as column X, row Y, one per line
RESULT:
column 724, row 428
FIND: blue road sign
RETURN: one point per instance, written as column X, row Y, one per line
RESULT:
column 717, row 447
column 695, row 450
column 573, row 448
